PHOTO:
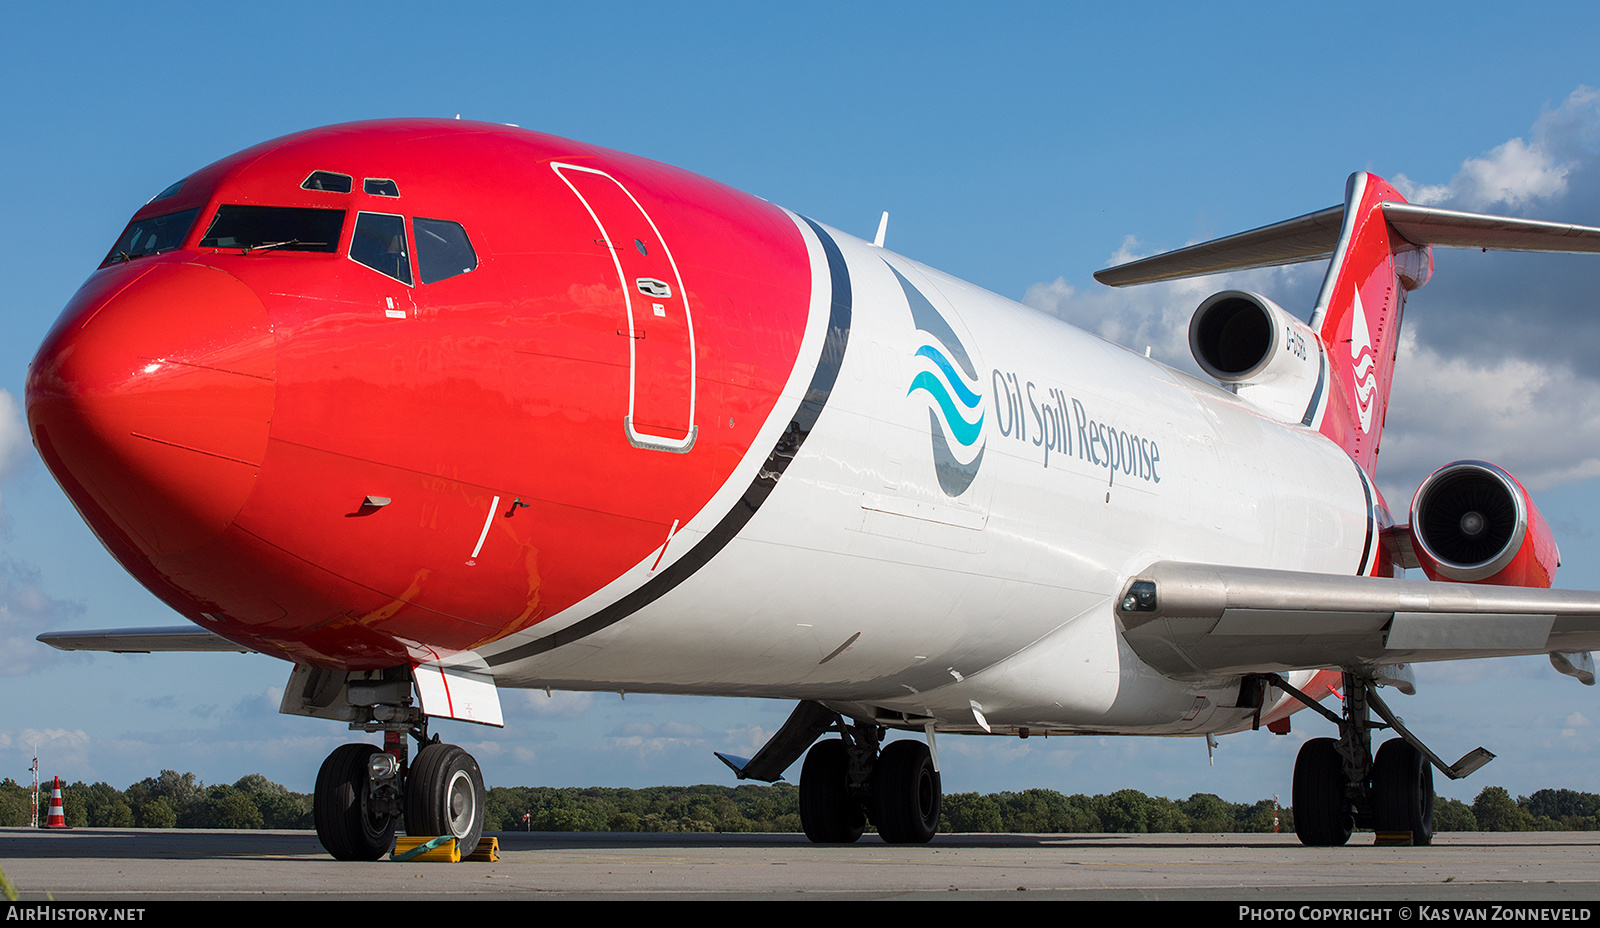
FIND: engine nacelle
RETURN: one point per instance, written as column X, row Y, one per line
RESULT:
column 1472, row 522
column 1268, row 356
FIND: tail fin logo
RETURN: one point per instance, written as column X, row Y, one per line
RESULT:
column 1364, row 362
column 951, row 382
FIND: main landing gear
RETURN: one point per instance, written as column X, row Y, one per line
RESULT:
column 847, row 781
column 1339, row 785
column 363, row 791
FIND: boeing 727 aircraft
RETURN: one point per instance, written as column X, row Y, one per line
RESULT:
column 431, row 408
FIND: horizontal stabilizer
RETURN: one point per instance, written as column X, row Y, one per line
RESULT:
column 141, row 640
column 1189, row 620
column 1305, row 238
column 1315, row 235
column 1425, row 225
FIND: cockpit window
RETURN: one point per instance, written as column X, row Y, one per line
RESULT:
column 380, row 187
column 327, row 180
column 281, row 228
column 443, row 249
column 379, row 242
column 152, row 236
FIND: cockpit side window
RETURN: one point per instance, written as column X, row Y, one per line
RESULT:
column 152, row 236
column 443, row 249
column 379, row 242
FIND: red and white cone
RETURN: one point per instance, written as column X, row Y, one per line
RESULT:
column 57, row 817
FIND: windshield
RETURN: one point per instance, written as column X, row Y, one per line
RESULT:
column 281, row 228
column 152, row 236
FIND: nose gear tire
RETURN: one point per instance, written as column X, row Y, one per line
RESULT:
column 445, row 796
column 346, row 825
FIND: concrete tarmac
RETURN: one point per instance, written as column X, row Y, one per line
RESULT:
column 107, row 865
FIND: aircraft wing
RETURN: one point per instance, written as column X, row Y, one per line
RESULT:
column 141, row 640
column 1192, row 620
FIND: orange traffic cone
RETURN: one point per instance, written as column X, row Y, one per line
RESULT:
column 57, row 817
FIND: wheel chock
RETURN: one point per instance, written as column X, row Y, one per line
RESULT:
column 442, row 849
column 1392, row 839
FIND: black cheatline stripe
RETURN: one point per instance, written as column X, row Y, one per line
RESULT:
column 761, row 487
column 1316, row 395
column 1366, row 490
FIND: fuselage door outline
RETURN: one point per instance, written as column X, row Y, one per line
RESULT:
column 662, row 353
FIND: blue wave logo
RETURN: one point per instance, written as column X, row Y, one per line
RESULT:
column 952, row 384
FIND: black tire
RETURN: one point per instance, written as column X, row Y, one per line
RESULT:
column 345, row 825
column 828, row 813
column 906, row 794
column 1402, row 791
column 1322, row 814
column 445, row 796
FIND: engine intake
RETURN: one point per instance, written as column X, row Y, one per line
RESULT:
column 1266, row 355
column 1472, row 522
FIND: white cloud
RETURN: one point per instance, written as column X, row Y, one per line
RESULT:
column 1540, row 421
column 1156, row 316
column 13, row 435
column 1517, row 173
column 58, row 748
column 559, row 703
column 745, row 740
column 1513, row 174
column 649, row 739
column 25, row 611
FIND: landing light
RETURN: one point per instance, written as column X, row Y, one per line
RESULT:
column 383, row 766
column 1141, row 597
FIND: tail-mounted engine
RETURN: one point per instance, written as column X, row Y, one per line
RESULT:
column 1472, row 522
column 1266, row 355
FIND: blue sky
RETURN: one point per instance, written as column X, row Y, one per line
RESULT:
column 1019, row 146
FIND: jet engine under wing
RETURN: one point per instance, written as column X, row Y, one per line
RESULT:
column 141, row 640
column 1192, row 620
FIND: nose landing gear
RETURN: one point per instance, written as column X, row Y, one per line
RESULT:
column 363, row 791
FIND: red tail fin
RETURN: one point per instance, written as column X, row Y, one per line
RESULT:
column 1357, row 316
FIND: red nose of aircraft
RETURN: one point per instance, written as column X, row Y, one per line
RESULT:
column 151, row 400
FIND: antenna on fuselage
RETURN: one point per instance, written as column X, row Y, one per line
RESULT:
column 883, row 226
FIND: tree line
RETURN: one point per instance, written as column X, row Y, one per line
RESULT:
column 171, row 800
column 174, row 800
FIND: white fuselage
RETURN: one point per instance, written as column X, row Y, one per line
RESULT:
column 863, row 582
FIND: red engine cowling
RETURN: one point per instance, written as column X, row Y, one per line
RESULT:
column 1472, row 522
